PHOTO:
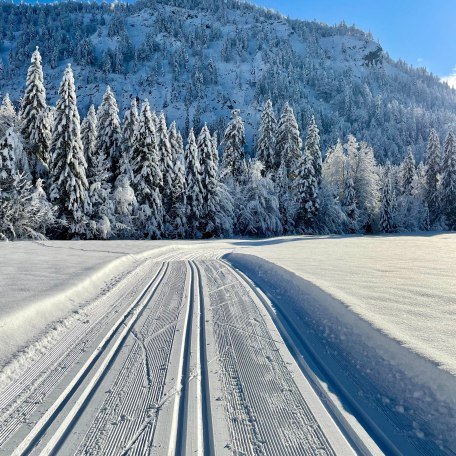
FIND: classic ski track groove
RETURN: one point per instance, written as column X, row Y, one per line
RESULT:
column 126, row 391
column 39, row 429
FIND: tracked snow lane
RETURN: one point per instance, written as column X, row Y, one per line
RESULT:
column 265, row 405
column 193, row 366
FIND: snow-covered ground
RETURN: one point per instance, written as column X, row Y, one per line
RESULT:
column 403, row 285
column 369, row 321
column 44, row 282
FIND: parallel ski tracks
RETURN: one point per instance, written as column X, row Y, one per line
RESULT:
column 151, row 372
column 267, row 411
column 31, row 392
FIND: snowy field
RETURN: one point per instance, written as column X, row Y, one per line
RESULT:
column 403, row 285
column 368, row 324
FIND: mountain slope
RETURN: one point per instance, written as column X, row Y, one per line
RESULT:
column 197, row 60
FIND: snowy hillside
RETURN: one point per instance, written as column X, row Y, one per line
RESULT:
column 199, row 60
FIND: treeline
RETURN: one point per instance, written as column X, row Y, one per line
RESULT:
column 106, row 178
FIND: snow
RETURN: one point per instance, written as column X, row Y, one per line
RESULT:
column 378, row 311
column 402, row 284
column 44, row 282
column 334, row 295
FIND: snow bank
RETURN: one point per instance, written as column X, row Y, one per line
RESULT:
column 44, row 283
column 407, row 396
column 404, row 285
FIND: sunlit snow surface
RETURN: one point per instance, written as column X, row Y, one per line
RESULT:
column 403, row 285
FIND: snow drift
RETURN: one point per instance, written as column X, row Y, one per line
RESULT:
column 404, row 394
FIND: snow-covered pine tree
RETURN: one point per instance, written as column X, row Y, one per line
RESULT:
column 8, row 116
column 12, row 141
column 125, row 206
column 194, row 195
column 333, row 170
column 408, row 172
column 260, row 215
column 25, row 212
column 306, row 191
column 222, row 203
column 89, row 134
column 433, row 167
column 388, row 202
column 265, row 147
column 68, row 167
column 215, row 154
column 362, row 167
column 234, row 164
column 36, row 127
column 148, row 180
column 99, row 179
column 349, row 204
column 312, row 147
column 288, row 142
column 178, row 203
column 108, row 140
column 129, row 123
column 166, row 163
column 176, row 141
column 10, row 148
column 287, row 202
column 209, row 179
column 155, row 120
column 448, row 187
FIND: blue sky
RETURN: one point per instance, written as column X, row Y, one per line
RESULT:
column 421, row 32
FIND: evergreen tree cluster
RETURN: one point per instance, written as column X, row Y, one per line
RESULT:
column 107, row 178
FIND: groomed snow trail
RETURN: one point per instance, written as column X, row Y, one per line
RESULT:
column 179, row 358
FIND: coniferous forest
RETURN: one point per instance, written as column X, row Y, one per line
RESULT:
column 133, row 175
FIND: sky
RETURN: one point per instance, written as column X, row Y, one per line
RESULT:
column 421, row 32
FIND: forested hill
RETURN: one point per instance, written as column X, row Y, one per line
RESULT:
column 197, row 60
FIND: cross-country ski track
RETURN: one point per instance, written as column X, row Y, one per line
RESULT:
column 179, row 357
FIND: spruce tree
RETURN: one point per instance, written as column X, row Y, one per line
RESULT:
column 8, row 116
column 234, row 164
column 148, row 181
column 68, row 167
column 312, row 147
column 287, row 203
column 209, row 179
column 10, row 148
column 176, row 142
column 448, row 193
column 388, row 206
column 36, row 128
column 433, row 162
column 194, row 195
column 408, row 173
column 25, row 212
column 166, row 162
column 260, row 215
column 288, row 142
column 349, row 204
column 129, row 124
column 12, row 141
column 306, row 191
column 265, row 147
column 99, row 179
column 108, row 141
column 89, row 133
column 178, row 203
